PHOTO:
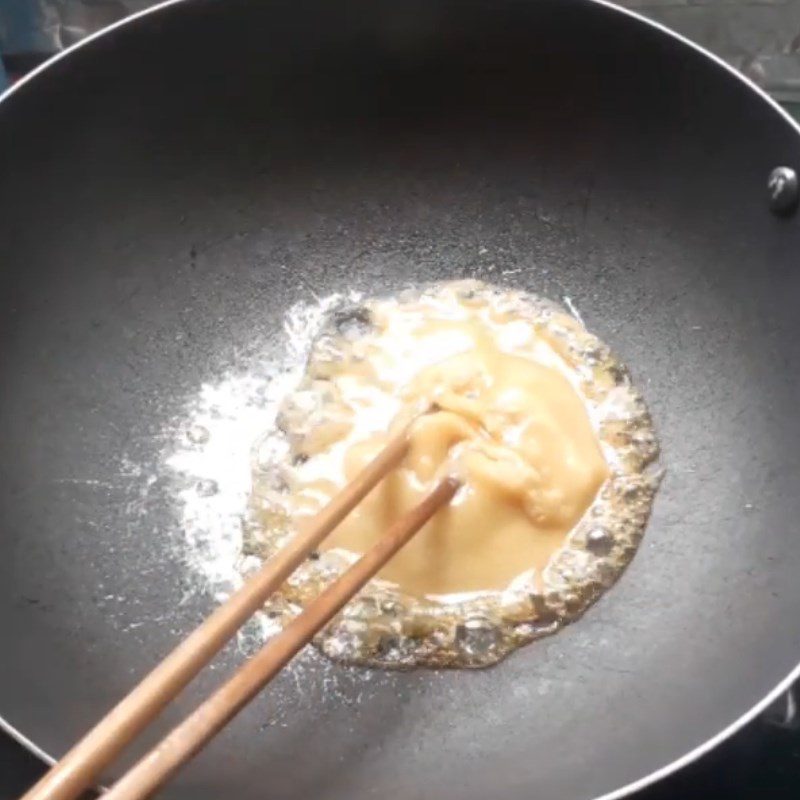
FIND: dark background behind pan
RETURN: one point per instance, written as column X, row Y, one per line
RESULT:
column 371, row 145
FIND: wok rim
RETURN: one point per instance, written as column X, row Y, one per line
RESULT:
column 782, row 686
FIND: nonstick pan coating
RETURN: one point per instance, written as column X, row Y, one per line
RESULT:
column 169, row 189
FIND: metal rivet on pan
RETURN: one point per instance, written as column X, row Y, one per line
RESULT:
column 783, row 190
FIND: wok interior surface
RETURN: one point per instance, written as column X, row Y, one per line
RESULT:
column 170, row 189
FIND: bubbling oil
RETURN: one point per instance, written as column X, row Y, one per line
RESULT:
column 554, row 446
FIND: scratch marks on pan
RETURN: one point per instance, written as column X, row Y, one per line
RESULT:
column 572, row 310
column 85, row 482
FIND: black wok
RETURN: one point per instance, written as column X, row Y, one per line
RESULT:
column 168, row 189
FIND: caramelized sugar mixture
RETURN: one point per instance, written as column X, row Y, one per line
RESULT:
column 512, row 395
column 510, row 424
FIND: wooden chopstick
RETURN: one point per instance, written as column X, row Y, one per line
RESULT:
column 199, row 727
column 80, row 767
